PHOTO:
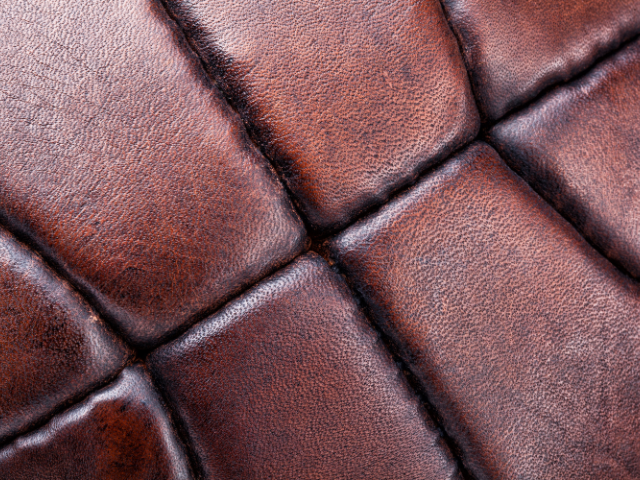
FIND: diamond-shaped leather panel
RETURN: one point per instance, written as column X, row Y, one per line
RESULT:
column 350, row 99
column 120, row 159
column 273, row 239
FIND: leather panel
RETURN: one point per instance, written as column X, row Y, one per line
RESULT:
column 350, row 99
column 123, row 162
column 524, row 338
column 289, row 381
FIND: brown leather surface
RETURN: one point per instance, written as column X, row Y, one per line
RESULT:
column 350, row 99
column 53, row 347
column 172, row 173
column 294, row 360
column 525, row 339
column 121, row 432
column 579, row 147
column 516, row 48
column 123, row 162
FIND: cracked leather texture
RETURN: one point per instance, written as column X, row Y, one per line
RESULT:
column 119, row 433
column 53, row 347
column 525, row 340
column 579, row 147
column 516, row 48
column 294, row 359
column 120, row 158
column 350, row 99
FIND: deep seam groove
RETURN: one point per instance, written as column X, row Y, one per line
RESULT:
column 392, row 349
column 180, row 428
column 486, row 127
column 374, row 209
column 231, row 105
column 455, row 34
column 26, row 239
column 204, row 314
column 68, row 405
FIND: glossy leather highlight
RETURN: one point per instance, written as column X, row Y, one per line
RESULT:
column 525, row 340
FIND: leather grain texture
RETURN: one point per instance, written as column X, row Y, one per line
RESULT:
column 53, row 347
column 121, row 159
column 300, row 386
column 579, row 147
column 516, row 48
column 525, row 340
column 350, row 99
column 119, row 433
column 260, row 239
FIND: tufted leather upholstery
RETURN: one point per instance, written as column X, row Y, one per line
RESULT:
column 338, row 239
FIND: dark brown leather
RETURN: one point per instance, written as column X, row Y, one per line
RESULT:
column 579, row 147
column 350, row 99
column 457, row 327
column 118, row 433
column 53, row 348
column 516, row 48
column 122, row 161
column 524, row 338
column 290, row 361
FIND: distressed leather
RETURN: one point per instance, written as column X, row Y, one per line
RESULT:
column 525, row 339
column 349, row 99
column 578, row 147
column 516, row 48
column 319, row 240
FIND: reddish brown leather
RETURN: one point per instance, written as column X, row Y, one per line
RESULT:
column 516, row 48
column 53, row 348
column 118, row 433
column 124, row 163
column 524, row 338
column 350, row 99
column 510, row 345
column 580, row 149
column 289, row 381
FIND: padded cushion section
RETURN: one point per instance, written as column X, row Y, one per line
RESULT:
column 349, row 98
column 118, row 433
column 53, row 348
column 579, row 147
column 516, row 48
column 289, row 381
column 124, row 163
column 526, row 341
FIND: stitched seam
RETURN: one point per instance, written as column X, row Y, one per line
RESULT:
column 33, row 245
